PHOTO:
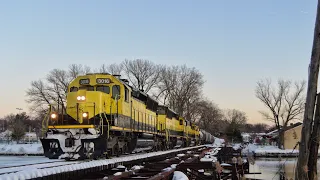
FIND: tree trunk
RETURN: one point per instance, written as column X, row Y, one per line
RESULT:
column 280, row 136
column 302, row 164
column 314, row 143
column 280, row 139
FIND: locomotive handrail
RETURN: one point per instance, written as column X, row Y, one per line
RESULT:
column 47, row 116
column 104, row 113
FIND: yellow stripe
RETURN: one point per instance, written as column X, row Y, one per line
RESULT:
column 70, row 126
column 119, row 128
column 127, row 129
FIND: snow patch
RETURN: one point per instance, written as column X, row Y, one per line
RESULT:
column 178, row 175
column 173, row 166
column 121, row 167
column 225, row 164
column 21, row 149
column 237, row 146
column 264, row 150
column 136, row 167
column 117, row 173
column 167, row 169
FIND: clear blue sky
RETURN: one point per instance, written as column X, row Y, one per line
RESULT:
column 233, row 43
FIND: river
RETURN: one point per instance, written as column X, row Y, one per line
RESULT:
column 275, row 168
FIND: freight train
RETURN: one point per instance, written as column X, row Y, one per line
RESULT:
column 105, row 116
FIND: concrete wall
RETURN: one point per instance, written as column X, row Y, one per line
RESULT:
column 291, row 137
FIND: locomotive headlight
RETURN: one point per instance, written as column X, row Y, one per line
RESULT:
column 85, row 115
column 53, row 116
column 81, row 98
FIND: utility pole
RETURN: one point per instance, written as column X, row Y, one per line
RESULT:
column 302, row 164
column 29, row 133
column 314, row 143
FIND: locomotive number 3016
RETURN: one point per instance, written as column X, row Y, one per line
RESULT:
column 103, row 80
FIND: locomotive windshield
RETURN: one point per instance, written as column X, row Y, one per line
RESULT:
column 88, row 88
column 105, row 89
column 73, row 89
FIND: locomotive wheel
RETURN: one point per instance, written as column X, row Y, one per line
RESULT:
column 117, row 150
column 131, row 145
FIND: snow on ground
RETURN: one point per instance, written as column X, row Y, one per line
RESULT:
column 237, row 146
column 264, row 150
column 210, row 155
column 178, row 175
column 6, row 134
column 48, row 169
column 250, row 148
column 6, row 161
column 21, row 149
column 274, row 150
column 218, row 142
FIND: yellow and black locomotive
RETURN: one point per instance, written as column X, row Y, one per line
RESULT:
column 104, row 116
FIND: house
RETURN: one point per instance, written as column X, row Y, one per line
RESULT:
column 292, row 136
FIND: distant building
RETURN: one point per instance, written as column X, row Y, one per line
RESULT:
column 28, row 137
column 292, row 136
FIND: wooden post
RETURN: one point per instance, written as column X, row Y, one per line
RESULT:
column 302, row 164
column 314, row 143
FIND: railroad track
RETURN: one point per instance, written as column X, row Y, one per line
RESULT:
column 42, row 165
column 156, row 170
column 67, row 169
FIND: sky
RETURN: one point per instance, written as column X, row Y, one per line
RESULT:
column 233, row 43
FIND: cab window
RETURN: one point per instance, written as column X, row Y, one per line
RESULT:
column 105, row 89
column 73, row 89
column 88, row 88
column 126, row 94
column 116, row 91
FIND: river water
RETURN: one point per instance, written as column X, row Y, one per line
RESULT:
column 275, row 168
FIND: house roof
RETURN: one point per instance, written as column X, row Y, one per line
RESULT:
column 292, row 126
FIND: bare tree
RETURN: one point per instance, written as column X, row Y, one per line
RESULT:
column 76, row 70
column 16, row 125
column 115, row 69
column 236, row 120
column 180, row 88
column 39, row 96
column 143, row 74
column 260, row 127
column 236, row 117
column 53, row 89
column 3, row 124
column 283, row 105
column 210, row 117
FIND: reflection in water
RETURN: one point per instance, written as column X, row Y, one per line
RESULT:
column 275, row 168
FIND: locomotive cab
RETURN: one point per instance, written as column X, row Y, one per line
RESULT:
column 93, row 103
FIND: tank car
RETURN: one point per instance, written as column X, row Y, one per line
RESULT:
column 206, row 137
